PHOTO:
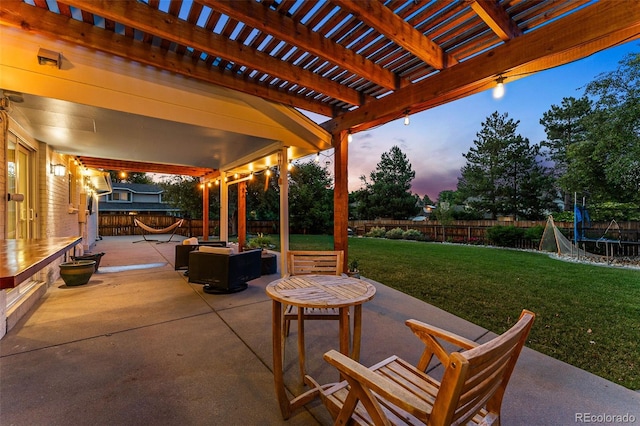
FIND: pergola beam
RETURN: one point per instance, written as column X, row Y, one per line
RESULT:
column 40, row 21
column 496, row 18
column 286, row 29
column 559, row 42
column 168, row 27
column 378, row 16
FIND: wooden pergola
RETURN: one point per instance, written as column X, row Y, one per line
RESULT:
column 360, row 64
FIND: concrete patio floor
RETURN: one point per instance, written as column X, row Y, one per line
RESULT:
column 143, row 346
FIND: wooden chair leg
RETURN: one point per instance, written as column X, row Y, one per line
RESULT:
column 301, row 350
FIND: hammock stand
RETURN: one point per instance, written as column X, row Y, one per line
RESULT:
column 157, row 231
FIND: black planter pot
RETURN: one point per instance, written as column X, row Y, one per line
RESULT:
column 77, row 272
column 96, row 257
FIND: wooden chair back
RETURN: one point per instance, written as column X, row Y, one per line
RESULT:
column 395, row 392
column 477, row 378
column 315, row 262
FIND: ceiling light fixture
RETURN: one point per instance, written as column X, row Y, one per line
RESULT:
column 498, row 91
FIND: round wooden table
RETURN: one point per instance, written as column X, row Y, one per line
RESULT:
column 315, row 291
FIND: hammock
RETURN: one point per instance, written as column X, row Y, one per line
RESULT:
column 151, row 230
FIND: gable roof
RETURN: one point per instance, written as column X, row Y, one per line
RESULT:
column 138, row 187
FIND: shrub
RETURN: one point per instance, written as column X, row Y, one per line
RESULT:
column 504, row 236
column 412, row 234
column 394, row 234
column 377, row 232
column 563, row 216
column 534, row 234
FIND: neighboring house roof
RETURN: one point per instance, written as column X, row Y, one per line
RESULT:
column 147, row 207
column 138, row 187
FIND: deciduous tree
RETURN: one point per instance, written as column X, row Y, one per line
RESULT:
column 310, row 198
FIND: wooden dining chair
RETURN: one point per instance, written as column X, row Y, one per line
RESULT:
column 312, row 262
column 395, row 392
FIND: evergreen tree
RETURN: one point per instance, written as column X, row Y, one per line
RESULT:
column 388, row 194
column 503, row 173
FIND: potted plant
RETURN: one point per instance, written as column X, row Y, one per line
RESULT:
column 260, row 241
column 269, row 261
column 353, row 271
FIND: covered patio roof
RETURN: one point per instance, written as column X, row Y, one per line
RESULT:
column 219, row 85
column 212, row 84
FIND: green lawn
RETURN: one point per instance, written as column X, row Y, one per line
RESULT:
column 587, row 316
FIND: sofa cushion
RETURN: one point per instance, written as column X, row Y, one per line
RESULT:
column 193, row 241
column 215, row 250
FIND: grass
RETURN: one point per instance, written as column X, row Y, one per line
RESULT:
column 587, row 315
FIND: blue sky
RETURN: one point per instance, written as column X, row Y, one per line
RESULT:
column 436, row 139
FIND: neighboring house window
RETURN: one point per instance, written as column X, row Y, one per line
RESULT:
column 120, row 196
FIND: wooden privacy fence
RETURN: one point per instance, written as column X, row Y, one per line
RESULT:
column 113, row 225
column 467, row 232
column 475, row 232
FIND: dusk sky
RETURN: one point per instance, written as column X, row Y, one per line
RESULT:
column 435, row 139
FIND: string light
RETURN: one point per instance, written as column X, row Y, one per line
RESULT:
column 318, row 157
column 406, row 118
column 349, row 137
column 498, row 91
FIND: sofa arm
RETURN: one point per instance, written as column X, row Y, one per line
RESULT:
column 245, row 266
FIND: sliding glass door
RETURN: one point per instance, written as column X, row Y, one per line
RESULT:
column 20, row 205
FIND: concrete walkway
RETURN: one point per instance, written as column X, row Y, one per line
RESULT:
column 140, row 345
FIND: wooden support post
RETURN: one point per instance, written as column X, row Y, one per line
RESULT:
column 224, row 208
column 242, row 214
column 341, row 195
column 205, row 211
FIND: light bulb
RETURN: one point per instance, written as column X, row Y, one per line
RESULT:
column 349, row 137
column 498, row 91
column 406, row 119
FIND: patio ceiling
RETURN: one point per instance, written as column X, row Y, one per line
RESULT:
column 358, row 63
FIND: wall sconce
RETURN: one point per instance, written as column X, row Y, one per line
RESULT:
column 58, row 169
column 49, row 57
